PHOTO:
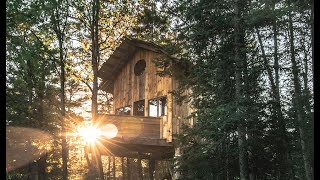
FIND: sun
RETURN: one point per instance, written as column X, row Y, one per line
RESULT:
column 89, row 134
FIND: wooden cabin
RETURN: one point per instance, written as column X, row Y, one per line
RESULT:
column 145, row 111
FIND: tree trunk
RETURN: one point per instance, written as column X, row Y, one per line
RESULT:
column 30, row 85
column 41, row 92
column 283, row 148
column 239, row 36
column 312, row 34
column 32, row 173
column 60, row 36
column 42, row 165
column 227, row 158
column 299, row 104
column 276, row 101
column 63, row 113
column 95, row 56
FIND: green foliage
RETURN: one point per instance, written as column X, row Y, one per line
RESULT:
column 201, row 36
column 206, row 38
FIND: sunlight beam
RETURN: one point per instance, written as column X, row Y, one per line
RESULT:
column 89, row 134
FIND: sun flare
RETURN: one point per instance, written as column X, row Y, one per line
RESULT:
column 89, row 134
column 109, row 131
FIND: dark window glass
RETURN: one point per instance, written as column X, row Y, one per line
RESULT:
column 163, row 106
column 157, row 107
column 123, row 110
column 138, row 108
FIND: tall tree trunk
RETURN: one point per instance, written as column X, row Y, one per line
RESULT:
column 306, row 91
column 227, row 158
column 239, row 36
column 30, row 86
column 249, row 134
column 41, row 92
column 95, row 56
column 299, row 104
column 42, row 165
column 283, row 144
column 312, row 33
column 63, row 113
column 276, row 101
column 59, row 32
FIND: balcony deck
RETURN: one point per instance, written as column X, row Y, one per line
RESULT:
column 137, row 135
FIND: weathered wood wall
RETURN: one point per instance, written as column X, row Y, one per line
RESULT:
column 134, row 126
column 180, row 112
column 129, row 88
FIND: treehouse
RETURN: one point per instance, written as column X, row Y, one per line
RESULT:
column 145, row 112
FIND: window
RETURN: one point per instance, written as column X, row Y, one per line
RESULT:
column 123, row 110
column 158, row 107
column 138, row 108
column 139, row 67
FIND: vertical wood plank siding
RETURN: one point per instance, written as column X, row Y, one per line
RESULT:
column 129, row 88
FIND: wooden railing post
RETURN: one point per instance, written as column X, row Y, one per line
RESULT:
column 161, row 128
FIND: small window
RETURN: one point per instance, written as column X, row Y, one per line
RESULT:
column 123, row 110
column 139, row 67
column 158, row 107
column 138, row 108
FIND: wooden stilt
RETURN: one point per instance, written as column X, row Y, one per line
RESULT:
column 140, row 175
column 114, row 168
column 128, row 168
column 99, row 159
column 108, row 171
column 122, row 168
column 86, row 155
column 151, row 168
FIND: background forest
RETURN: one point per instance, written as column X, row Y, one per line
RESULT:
column 248, row 65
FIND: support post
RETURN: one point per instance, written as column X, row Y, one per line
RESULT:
column 151, row 168
column 140, row 175
column 122, row 168
column 109, row 164
column 101, row 175
column 114, row 167
column 128, row 168
column 177, row 174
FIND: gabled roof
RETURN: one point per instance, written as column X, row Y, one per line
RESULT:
column 120, row 57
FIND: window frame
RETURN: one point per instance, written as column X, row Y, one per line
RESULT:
column 135, row 107
column 164, row 109
column 128, row 106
